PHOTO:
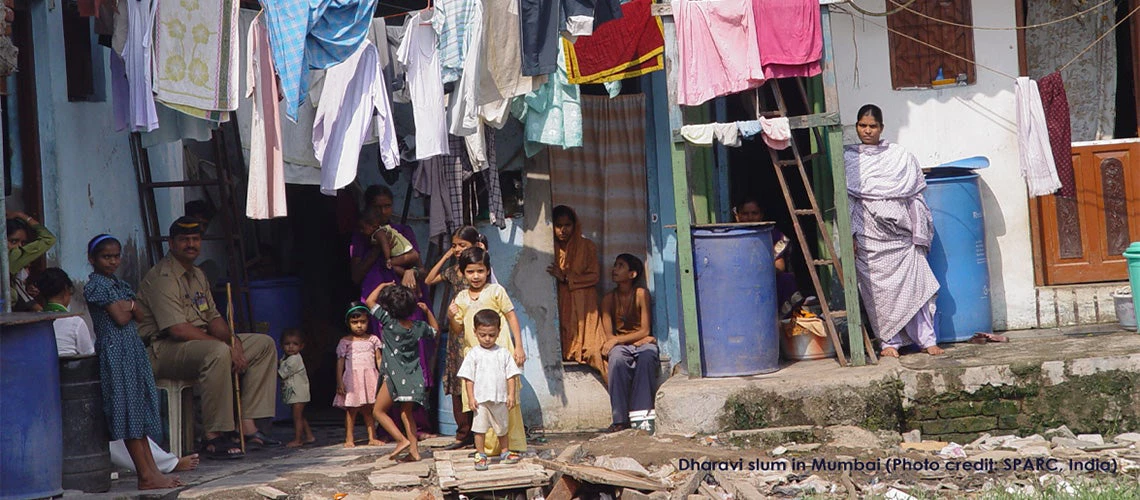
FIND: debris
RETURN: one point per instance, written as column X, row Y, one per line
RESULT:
column 571, row 454
column 1062, row 431
column 632, row 494
column 598, row 475
column 850, row 436
column 803, row 448
column 1034, row 451
column 664, row 472
column 977, row 443
column 914, row 436
column 815, row 484
column 271, row 493
column 1127, row 437
column 611, row 435
column 894, row 494
column 952, row 450
column 779, row 450
column 564, row 488
column 691, row 484
column 1019, row 444
column 925, row 446
column 1093, row 438
column 711, row 440
column 1072, row 443
column 738, row 488
column 386, row 480
column 769, row 436
column 623, row 464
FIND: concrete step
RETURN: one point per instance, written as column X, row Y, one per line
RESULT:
column 1074, row 305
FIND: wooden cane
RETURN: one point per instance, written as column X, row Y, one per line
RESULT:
column 236, row 376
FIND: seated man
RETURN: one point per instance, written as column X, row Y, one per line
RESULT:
column 188, row 340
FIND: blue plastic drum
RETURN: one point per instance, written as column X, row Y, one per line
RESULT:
column 31, row 441
column 736, row 299
column 958, row 254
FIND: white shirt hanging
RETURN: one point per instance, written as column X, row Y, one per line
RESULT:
column 419, row 52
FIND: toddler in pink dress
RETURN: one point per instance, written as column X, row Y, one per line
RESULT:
column 357, row 362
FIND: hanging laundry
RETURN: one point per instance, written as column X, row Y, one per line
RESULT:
column 196, row 43
column 540, row 20
column 716, row 49
column 552, row 114
column 202, row 114
column 445, row 178
column 378, row 35
column 420, row 54
column 1036, row 159
column 463, row 109
column 777, row 132
column 500, row 76
column 749, row 128
column 137, row 52
column 265, row 197
column 491, row 181
column 790, row 37
column 1055, row 104
column 174, row 126
column 307, row 34
column 453, row 21
column 727, row 133
column 353, row 90
column 582, row 17
column 631, row 46
column 120, row 92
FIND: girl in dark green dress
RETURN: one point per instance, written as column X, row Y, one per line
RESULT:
column 403, row 378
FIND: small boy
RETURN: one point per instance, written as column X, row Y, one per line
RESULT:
column 295, row 386
column 491, row 380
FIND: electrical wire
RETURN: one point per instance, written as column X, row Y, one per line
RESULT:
column 907, row 8
column 891, row 12
column 1101, row 37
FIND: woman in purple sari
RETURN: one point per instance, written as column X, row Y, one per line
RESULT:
column 369, row 270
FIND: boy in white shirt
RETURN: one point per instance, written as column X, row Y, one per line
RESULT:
column 491, row 380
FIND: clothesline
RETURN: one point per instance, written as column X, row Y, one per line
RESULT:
column 987, row 28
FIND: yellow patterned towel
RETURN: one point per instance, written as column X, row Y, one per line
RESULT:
column 197, row 50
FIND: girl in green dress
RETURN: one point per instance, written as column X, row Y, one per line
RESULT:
column 403, row 383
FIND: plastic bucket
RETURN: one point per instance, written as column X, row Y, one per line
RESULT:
column 447, row 425
column 1132, row 254
column 86, row 458
column 736, row 299
column 1125, row 310
column 31, row 444
column 958, row 255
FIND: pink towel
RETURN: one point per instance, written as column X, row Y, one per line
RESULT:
column 790, row 37
column 715, row 40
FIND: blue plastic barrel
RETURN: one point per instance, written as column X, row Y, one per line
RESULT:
column 31, row 437
column 277, row 302
column 736, row 299
column 447, row 425
column 958, row 254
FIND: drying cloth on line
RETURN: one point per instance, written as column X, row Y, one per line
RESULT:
column 620, row 49
column 539, row 20
column 1037, row 164
column 176, row 126
column 777, row 132
column 704, row 134
column 197, row 46
column 419, row 52
column 716, row 45
column 582, row 17
column 137, row 53
column 265, row 196
column 315, row 34
column 790, row 37
column 1055, row 104
column 551, row 115
column 452, row 21
column 354, row 90
column 500, row 75
column 445, row 179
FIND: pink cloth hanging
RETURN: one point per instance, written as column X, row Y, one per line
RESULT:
column 713, row 41
column 790, row 37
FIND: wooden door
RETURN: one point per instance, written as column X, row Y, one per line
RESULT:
column 1081, row 239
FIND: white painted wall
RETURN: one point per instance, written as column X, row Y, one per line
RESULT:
column 946, row 124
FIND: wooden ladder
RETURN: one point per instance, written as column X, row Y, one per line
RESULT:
column 224, row 181
column 812, row 263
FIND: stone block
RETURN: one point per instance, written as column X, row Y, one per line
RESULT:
column 1106, row 309
column 1046, row 308
column 972, row 424
column 960, row 438
column 957, row 409
column 924, row 412
column 1086, row 305
column 1066, row 307
column 1000, row 407
column 1007, row 422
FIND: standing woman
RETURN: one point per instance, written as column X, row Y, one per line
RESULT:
column 130, row 399
column 893, row 229
column 576, row 269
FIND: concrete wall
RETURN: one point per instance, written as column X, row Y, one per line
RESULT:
column 88, row 178
column 946, row 124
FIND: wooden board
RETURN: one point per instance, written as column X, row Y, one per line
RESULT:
column 598, row 475
column 456, row 472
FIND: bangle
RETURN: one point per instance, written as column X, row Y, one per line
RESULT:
column 132, row 309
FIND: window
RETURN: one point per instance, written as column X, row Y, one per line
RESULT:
column 916, row 65
column 84, row 62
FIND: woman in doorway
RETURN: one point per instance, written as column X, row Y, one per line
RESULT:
column 576, row 269
column 749, row 209
column 893, row 229
column 369, row 270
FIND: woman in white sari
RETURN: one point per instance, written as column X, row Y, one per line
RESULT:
column 893, row 230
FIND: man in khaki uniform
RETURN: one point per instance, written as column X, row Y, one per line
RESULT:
column 188, row 339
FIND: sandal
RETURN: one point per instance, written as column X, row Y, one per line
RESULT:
column 261, row 440
column 480, row 462
column 509, row 457
column 221, row 448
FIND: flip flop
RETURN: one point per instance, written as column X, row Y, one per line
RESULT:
column 261, row 440
column 221, row 448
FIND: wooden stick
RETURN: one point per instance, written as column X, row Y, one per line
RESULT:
column 236, row 376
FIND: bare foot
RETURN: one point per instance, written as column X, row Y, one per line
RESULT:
column 294, row 444
column 414, row 454
column 375, row 442
column 934, row 350
column 401, row 447
column 160, row 482
column 189, row 462
column 889, row 352
column 310, row 439
column 349, row 444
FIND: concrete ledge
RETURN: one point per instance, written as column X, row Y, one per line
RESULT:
column 1040, row 379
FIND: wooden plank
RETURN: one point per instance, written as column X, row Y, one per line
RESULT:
column 571, row 454
column 598, row 475
column 685, row 269
column 564, row 488
column 842, row 212
column 814, row 120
